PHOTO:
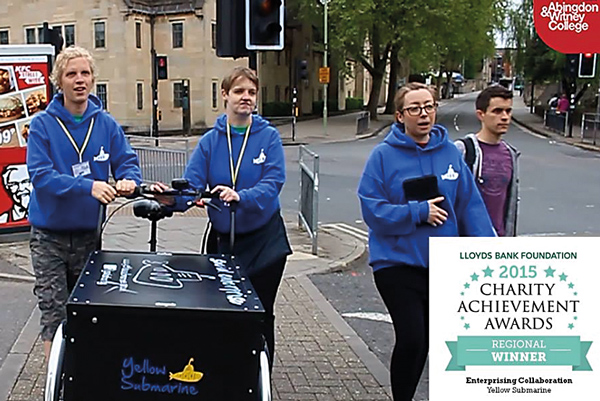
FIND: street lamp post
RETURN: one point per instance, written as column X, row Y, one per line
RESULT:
column 325, row 3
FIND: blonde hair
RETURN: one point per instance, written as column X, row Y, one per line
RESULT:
column 411, row 86
column 63, row 59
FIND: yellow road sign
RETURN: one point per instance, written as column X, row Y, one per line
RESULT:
column 324, row 75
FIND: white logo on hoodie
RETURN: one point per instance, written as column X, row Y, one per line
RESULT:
column 450, row 174
column 101, row 157
column 261, row 158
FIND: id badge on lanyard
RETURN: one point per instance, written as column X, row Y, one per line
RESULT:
column 83, row 167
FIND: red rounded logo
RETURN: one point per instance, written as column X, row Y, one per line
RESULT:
column 568, row 26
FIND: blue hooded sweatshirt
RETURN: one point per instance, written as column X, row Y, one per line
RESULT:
column 398, row 229
column 260, row 179
column 60, row 200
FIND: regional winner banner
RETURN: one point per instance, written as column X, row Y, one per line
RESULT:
column 514, row 317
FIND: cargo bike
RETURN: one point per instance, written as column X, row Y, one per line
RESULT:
column 160, row 326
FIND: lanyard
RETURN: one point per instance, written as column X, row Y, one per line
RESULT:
column 235, row 170
column 85, row 142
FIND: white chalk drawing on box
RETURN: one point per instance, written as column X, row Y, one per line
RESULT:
column 108, row 269
column 234, row 294
column 155, row 273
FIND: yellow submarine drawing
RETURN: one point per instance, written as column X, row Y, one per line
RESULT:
column 188, row 374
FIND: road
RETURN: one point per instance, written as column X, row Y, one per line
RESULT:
column 560, row 192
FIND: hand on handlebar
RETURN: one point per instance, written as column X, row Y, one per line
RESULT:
column 103, row 191
column 125, row 187
column 226, row 194
column 164, row 199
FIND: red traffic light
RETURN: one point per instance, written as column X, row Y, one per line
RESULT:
column 266, row 7
column 161, row 62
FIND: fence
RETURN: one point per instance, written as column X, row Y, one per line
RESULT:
column 362, row 122
column 590, row 127
column 556, row 121
column 308, row 213
column 161, row 159
column 285, row 125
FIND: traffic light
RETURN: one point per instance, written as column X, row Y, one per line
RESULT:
column 587, row 65
column 264, row 24
column 161, row 67
column 302, row 70
column 572, row 65
column 230, row 40
column 52, row 37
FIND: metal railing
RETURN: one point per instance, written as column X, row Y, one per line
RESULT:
column 285, row 125
column 556, row 121
column 308, row 204
column 590, row 127
column 161, row 159
column 362, row 122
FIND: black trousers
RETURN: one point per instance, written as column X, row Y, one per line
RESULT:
column 405, row 292
column 264, row 278
column 266, row 285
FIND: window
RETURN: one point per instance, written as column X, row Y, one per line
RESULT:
column 215, row 94
column 4, row 37
column 140, row 96
column 102, row 93
column 287, row 93
column 177, row 94
column 40, row 34
column 69, row 35
column 277, row 93
column 138, row 34
column 177, row 28
column 263, row 57
column 30, row 36
column 278, row 58
column 213, row 34
column 265, row 99
column 99, row 35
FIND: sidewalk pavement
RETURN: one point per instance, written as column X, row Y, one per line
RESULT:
column 522, row 116
column 318, row 355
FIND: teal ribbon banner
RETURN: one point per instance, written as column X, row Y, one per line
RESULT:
column 519, row 351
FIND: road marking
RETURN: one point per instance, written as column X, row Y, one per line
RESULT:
column 376, row 316
column 455, row 123
column 348, row 229
column 543, row 235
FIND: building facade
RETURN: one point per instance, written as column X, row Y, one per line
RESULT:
column 119, row 33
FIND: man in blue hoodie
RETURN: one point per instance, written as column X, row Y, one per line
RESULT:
column 415, row 185
column 242, row 159
column 72, row 146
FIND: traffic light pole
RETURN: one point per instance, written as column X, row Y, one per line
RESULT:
column 325, row 3
column 154, row 119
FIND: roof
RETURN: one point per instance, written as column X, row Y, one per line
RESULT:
column 153, row 7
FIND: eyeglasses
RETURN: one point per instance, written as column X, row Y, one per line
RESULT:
column 417, row 110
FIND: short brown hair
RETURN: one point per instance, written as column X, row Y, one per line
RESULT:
column 483, row 99
column 235, row 74
column 63, row 59
column 411, row 86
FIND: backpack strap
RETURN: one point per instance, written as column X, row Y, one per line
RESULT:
column 470, row 153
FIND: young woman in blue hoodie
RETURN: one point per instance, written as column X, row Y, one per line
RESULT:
column 242, row 159
column 446, row 203
column 72, row 147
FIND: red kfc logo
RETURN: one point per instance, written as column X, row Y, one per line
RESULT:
column 568, row 26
